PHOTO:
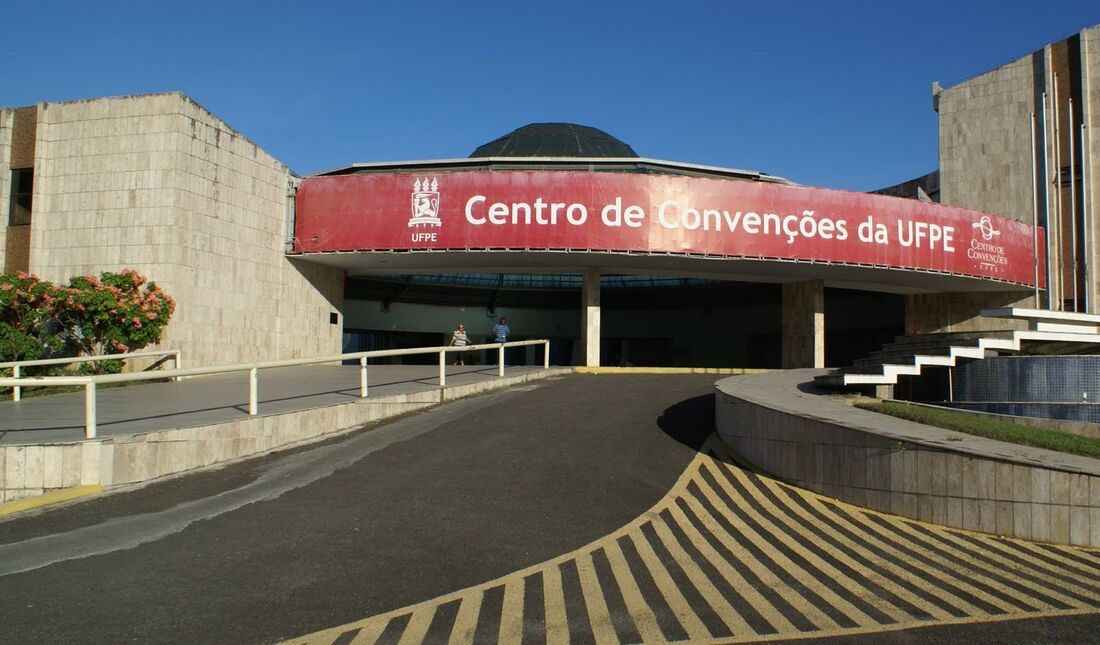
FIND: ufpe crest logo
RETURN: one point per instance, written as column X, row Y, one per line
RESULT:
column 425, row 203
column 985, row 225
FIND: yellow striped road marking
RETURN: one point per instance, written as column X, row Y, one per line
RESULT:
column 1062, row 561
column 991, row 550
column 466, row 621
column 557, row 628
column 964, row 571
column 417, row 628
column 835, row 599
column 511, row 613
column 972, row 560
column 964, row 565
column 671, row 593
column 982, row 577
column 599, row 618
column 636, row 606
column 882, row 629
column 369, row 634
column 948, row 577
column 738, row 582
column 777, row 524
column 896, row 571
column 763, row 543
column 767, row 575
column 720, row 605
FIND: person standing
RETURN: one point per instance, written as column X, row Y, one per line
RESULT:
column 459, row 339
column 501, row 331
column 500, row 334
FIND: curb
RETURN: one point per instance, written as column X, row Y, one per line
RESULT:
column 46, row 499
column 669, row 370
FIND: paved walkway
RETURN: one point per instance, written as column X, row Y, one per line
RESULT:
column 732, row 556
column 205, row 400
column 581, row 509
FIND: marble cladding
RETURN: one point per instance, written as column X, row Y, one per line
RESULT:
column 985, row 140
column 804, row 324
column 985, row 146
column 159, row 184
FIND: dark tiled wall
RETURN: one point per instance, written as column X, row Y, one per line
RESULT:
column 1049, row 387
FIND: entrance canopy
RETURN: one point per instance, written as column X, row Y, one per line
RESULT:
column 516, row 215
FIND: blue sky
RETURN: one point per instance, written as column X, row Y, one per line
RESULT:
column 833, row 94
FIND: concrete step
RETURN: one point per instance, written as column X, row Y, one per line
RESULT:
column 908, row 355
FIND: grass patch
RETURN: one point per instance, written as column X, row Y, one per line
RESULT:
column 989, row 428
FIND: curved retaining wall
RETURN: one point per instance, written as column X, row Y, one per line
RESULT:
column 782, row 425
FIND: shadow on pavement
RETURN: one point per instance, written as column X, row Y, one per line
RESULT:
column 690, row 421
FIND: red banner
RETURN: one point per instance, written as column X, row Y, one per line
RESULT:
column 603, row 211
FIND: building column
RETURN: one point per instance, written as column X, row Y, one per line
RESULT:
column 590, row 304
column 804, row 324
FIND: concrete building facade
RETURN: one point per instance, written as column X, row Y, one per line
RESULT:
column 1021, row 141
column 159, row 184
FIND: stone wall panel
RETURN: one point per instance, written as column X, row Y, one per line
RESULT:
column 159, row 184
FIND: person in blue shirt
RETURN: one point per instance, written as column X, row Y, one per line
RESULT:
column 501, row 331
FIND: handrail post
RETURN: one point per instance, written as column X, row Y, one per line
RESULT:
column 89, row 410
column 363, row 376
column 17, row 391
column 546, row 355
column 500, row 361
column 177, row 359
column 442, row 367
column 253, row 392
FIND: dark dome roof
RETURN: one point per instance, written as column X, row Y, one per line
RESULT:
column 555, row 140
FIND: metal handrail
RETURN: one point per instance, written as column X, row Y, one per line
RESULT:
column 89, row 382
column 16, row 366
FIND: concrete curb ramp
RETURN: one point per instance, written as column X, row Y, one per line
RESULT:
column 782, row 425
column 731, row 556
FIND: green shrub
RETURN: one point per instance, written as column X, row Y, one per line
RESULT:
column 114, row 313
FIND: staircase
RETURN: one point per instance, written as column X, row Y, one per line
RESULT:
column 1049, row 332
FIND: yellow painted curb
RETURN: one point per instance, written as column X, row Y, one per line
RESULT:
column 669, row 370
column 55, row 497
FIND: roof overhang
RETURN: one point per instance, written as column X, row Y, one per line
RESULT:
column 838, row 275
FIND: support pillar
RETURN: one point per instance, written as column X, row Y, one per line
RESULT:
column 804, row 324
column 590, row 305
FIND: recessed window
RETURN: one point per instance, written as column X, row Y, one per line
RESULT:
column 22, row 187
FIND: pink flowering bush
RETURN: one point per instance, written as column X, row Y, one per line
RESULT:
column 114, row 313
column 28, row 318
column 110, row 314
